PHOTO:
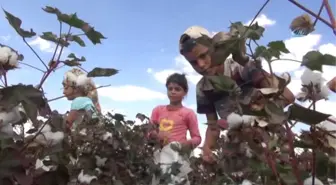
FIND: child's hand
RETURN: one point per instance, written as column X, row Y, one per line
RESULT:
column 207, row 155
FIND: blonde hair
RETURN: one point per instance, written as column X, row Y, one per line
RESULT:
column 78, row 79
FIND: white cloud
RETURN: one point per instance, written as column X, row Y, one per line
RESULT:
column 5, row 38
column 262, row 20
column 149, row 70
column 43, row 45
column 181, row 65
column 129, row 93
column 47, row 46
column 298, row 46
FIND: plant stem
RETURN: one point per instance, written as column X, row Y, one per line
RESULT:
column 32, row 67
column 311, row 13
column 45, row 65
column 293, row 60
column 60, row 97
column 57, row 62
column 292, row 154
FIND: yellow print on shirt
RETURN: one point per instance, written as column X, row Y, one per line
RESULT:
column 166, row 125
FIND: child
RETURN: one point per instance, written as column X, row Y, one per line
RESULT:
column 82, row 92
column 174, row 121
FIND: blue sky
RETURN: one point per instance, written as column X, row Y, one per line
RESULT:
column 144, row 35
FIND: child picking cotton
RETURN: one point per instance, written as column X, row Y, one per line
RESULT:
column 81, row 90
column 174, row 121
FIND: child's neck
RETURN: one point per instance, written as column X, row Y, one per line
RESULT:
column 174, row 105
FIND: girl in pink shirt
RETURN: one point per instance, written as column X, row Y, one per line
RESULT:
column 174, row 121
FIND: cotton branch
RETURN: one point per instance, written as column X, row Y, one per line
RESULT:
column 45, row 65
column 60, row 97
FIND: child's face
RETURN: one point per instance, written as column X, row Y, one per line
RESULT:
column 175, row 93
column 69, row 92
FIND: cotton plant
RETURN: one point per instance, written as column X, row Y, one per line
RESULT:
column 9, row 58
column 314, row 86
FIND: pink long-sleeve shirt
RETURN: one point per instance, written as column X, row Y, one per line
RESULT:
column 175, row 123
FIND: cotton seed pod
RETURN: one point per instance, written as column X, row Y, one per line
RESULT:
column 302, row 25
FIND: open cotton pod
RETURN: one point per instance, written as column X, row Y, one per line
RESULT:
column 9, row 58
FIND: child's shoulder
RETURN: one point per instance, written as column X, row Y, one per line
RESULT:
column 81, row 101
column 187, row 110
column 160, row 107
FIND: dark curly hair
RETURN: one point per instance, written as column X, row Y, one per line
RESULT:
column 179, row 79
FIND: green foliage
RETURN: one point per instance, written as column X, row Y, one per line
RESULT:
column 98, row 72
column 254, row 32
column 314, row 60
column 114, row 151
column 273, row 49
column 16, row 24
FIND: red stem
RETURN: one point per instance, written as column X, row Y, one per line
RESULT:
column 330, row 14
column 292, row 154
column 51, row 68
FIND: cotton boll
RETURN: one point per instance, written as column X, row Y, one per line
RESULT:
column 310, row 76
column 247, row 119
column 4, row 54
column 309, row 181
column 246, row 182
column 234, row 120
column 46, row 129
column 13, row 60
column 85, row 178
column 7, row 129
column 54, row 138
column 10, row 117
column 100, row 161
column 324, row 91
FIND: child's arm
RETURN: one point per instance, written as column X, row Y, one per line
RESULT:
column 194, row 130
column 257, row 75
column 154, row 120
column 71, row 118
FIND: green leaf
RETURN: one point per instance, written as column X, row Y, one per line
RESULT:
column 99, row 72
column 15, row 22
column 274, row 49
column 254, row 32
column 74, row 60
column 305, row 115
column 278, row 45
column 222, row 83
column 70, row 19
column 72, row 63
column 262, row 51
column 78, row 40
column 74, row 57
column 92, row 34
column 49, row 36
column 315, row 59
